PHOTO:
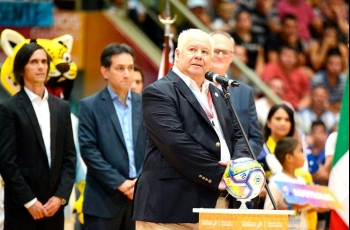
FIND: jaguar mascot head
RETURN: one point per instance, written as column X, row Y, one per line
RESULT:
column 62, row 72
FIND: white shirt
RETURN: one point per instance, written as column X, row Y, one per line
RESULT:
column 42, row 112
column 203, row 101
column 297, row 221
column 330, row 144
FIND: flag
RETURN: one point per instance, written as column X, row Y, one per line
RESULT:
column 339, row 177
column 162, row 68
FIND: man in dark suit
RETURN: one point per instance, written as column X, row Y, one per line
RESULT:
column 37, row 152
column 112, row 142
column 192, row 136
column 242, row 97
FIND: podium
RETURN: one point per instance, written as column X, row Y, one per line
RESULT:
column 242, row 219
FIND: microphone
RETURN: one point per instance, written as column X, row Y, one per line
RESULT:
column 213, row 77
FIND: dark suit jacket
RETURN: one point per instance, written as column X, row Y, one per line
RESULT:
column 24, row 164
column 243, row 103
column 181, row 169
column 104, row 152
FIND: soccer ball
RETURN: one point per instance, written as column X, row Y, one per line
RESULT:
column 244, row 178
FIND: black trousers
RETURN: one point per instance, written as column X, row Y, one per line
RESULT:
column 122, row 221
column 55, row 222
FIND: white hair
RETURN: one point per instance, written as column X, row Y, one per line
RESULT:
column 186, row 34
column 225, row 34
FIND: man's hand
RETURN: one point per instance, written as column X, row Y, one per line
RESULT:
column 222, row 185
column 130, row 193
column 52, row 205
column 127, row 188
column 37, row 211
column 225, row 163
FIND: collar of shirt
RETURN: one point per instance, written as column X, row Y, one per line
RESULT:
column 191, row 83
column 35, row 98
column 114, row 95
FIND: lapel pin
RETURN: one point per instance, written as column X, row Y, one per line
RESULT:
column 216, row 94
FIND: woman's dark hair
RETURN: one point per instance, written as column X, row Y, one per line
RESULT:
column 22, row 58
column 113, row 49
column 285, row 146
column 138, row 69
column 290, row 112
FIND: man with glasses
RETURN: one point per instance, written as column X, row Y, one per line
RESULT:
column 242, row 96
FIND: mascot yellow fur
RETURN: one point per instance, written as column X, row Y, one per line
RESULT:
column 62, row 69
column 62, row 73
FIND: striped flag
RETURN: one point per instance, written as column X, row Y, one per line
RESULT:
column 164, row 68
column 339, row 177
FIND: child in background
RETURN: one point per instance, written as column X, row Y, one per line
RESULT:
column 289, row 153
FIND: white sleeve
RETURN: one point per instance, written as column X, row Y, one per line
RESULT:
column 330, row 144
column 276, row 194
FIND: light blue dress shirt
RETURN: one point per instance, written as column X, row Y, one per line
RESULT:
column 125, row 120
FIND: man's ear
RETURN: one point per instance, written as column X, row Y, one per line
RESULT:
column 104, row 72
column 177, row 53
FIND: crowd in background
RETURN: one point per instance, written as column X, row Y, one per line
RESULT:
column 302, row 57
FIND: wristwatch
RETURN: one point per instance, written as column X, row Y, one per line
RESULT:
column 63, row 202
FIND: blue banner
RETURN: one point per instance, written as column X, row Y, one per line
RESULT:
column 26, row 14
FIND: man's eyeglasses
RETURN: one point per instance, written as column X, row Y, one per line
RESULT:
column 225, row 53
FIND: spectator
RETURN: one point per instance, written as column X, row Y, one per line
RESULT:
column 243, row 36
column 305, row 17
column 329, row 43
column 290, row 155
column 264, row 18
column 287, row 36
column 112, row 143
column 333, row 79
column 316, row 161
column 338, row 12
column 138, row 14
column 264, row 104
column 318, row 110
column 280, row 124
column 198, row 8
column 316, row 147
column 138, row 80
column 224, row 20
column 295, row 81
column 236, row 73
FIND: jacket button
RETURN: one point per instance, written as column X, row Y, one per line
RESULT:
column 217, row 144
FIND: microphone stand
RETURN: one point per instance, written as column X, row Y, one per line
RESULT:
column 256, row 199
